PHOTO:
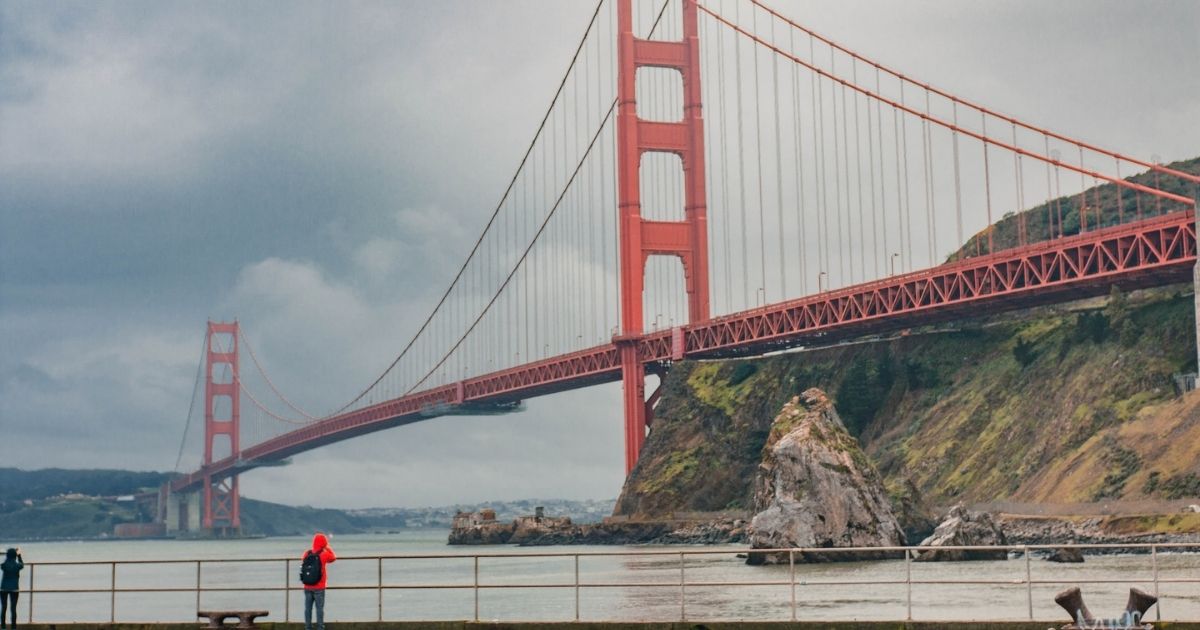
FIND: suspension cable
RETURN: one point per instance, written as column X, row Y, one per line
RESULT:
column 192, row 405
column 1083, row 171
column 1083, row 145
column 524, row 159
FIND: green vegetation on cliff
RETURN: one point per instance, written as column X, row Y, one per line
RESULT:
column 1058, row 404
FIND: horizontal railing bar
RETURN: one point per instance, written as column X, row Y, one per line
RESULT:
column 669, row 560
column 653, row 552
column 675, row 584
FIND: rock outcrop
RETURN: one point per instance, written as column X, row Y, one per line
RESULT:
column 531, row 528
column 962, row 528
column 480, row 528
column 1065, row 554
column 816, row 488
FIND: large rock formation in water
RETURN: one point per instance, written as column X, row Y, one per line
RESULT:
column 963, row 528
column 816, row 488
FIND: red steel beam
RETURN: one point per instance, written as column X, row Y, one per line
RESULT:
column 1152, row 252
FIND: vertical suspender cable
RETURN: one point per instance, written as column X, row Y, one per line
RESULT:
column 762, row 250
column 899, row 184
column 930, row 195
column 1117, row 194
column 802, row 236
column 1020, row 203
column 907, row 225
column 887, row 257
column 1082, row 195
column 841, row 167
column 874, row 205
column 987, row 185
column 1049, row 195
column 862, row 238
column 778, row 170
column 725, row 210
column 957, row 183
column 818, row 93
column 737, row 49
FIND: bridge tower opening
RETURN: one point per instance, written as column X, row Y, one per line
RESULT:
column 222, row 423
column 641, row 238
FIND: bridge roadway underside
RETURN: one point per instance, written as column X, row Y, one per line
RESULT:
column 1153, row 252
column 587, row 625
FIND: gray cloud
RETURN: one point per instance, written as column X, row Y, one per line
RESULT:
column 319, row 170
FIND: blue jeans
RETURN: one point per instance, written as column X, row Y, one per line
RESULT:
column 317, row 597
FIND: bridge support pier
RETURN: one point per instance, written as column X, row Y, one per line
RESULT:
column 633, row 382
column 182, row 512
column 686, row 240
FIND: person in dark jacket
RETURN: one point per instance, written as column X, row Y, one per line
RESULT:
column 314, row 594
column 10, row 584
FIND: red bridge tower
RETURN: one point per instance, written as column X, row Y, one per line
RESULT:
column 640, row 238
column 222, row 417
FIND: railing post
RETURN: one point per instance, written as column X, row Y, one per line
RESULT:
column 908, row 582
column 476, row 585
column 287, row 590
column 198, row 586
column 1154, row 564
column 31, row 567
column 1028, row 582
column 577, row 587
column 682, row 593
column 112, row 592
column 792, row 578
column 379, row 582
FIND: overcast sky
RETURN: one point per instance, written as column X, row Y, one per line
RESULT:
column 317, row 170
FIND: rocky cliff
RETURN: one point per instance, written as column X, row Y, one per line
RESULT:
column 1072, row 403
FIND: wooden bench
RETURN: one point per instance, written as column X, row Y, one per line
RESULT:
column 216, row 618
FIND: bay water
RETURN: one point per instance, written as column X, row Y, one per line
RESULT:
column 637, row 587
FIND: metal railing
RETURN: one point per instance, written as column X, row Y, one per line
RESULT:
column 682, row 584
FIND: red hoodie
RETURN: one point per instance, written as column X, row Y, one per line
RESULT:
column 320, row 547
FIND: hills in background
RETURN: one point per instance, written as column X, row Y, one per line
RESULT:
column 57, row 503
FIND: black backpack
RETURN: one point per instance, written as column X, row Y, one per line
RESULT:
column 310, row 569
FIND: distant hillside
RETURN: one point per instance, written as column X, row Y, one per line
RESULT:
column 1103, row 206
column 59, row 503
column 18, row 485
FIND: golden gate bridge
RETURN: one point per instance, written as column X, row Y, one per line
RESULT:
column 711, row 179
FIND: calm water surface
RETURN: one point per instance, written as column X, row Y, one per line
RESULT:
column 648, row 584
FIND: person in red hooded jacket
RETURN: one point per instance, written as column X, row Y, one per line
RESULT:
column 315, row 593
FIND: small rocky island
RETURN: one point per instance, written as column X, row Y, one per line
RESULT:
column 482, row 528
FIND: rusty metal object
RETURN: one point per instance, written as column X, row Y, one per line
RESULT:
column 1139, row 602
column 1071, row 601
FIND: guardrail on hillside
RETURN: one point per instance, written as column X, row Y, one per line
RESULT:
column 287, row 586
